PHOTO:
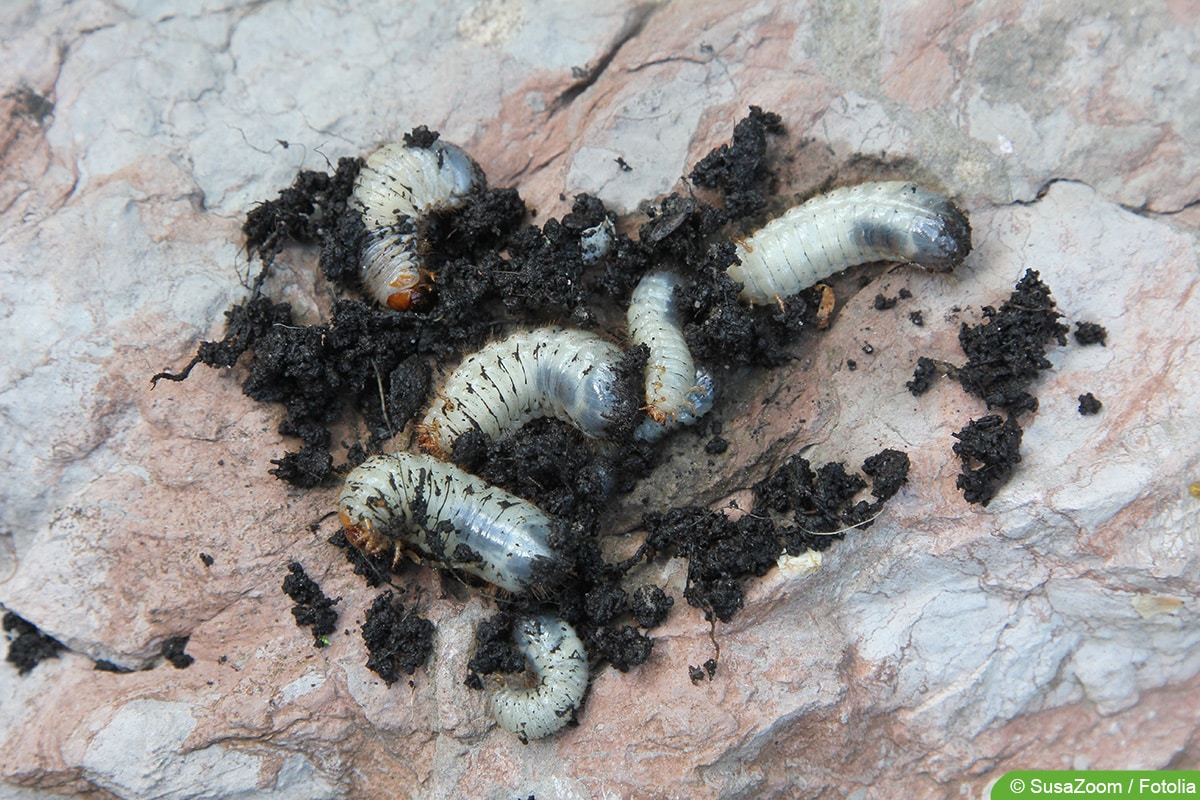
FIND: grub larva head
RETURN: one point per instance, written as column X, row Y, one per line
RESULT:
column 360, row 531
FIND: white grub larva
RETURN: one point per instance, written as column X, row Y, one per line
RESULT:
column 546, row 372
column 887, row 221
column 560, row 668
column 396, row 190
column 670, row 369
column 448, row 518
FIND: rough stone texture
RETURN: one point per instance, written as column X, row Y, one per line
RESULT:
column 947, row 644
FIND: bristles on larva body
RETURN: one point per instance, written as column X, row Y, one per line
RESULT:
column 560, row 667
column 884, row 221
column 447, row 517
column 546, row 372
column 654, row 322
column 395, row 190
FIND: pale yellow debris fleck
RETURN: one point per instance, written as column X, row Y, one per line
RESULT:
column 800, row 566
column 1149, row 605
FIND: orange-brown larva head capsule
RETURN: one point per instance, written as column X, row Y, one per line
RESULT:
column 400, row 301
column 362, row 535
column 416, row 294
column 429, row 442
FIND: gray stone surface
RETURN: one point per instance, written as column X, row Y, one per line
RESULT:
column 929, row 654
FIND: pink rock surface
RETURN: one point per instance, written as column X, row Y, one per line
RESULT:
column 946, row 644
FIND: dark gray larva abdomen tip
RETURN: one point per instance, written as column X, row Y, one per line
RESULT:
column 945, row 241
column 930, row 231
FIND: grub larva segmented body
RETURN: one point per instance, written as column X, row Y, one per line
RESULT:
column 559, row 663
column 396, row 189
column 446, row 517
column 546, row 372
column 884, row 221
column 670, row 370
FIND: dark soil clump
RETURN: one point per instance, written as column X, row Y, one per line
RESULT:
column 313, row 609
column 397, row 641
column 651, row 606
column 990, row 449
column 722, row 552
column 1089, row 405
column 1091, row 333
column 1005, row 355
column 740, row 169
column 172, row 651
column 302, row 212
column 27, row 646
column 624, row 647
column 495, row 651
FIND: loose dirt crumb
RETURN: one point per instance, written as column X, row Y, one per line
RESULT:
column 1088, row 404
column 1091, row 333
column 27, row 646
column 172, row 651
column 990, row 449
column 397, row 641
column 313, row 609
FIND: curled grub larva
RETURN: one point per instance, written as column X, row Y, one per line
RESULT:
column 887, row 221
column 396, row 189
column 676, row 392
column 546, row 372
column 654, row 322
column 447, row 517
column 560, row 668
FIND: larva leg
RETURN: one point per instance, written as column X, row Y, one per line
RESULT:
column 448, row 518
column 555, row 654
column 883, row 221
column 699, row 401
column 397, row 188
